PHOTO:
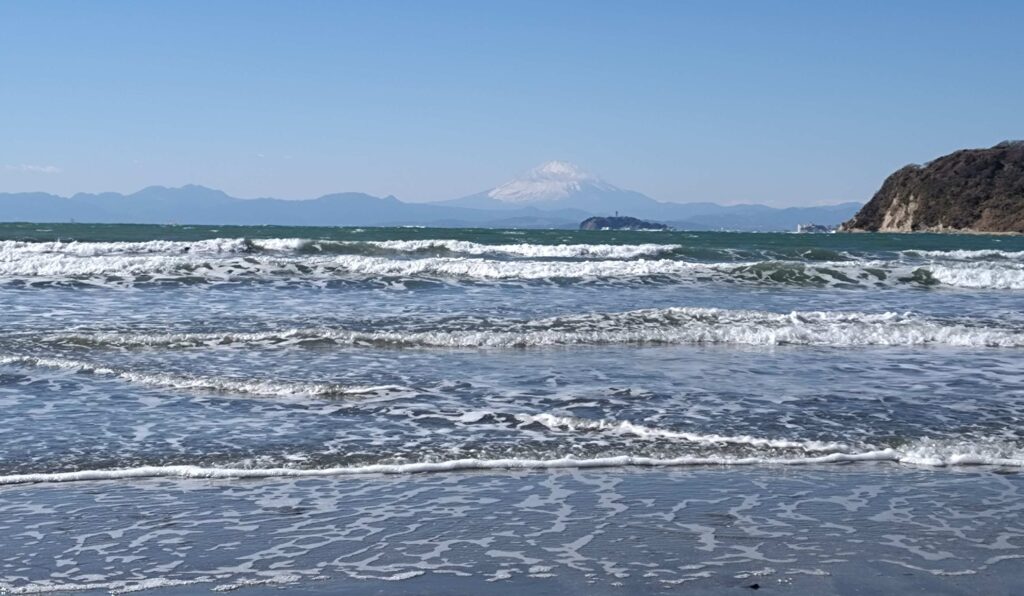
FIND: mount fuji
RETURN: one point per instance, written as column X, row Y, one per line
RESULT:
column 552, row 181
column 562, row 189
column 560, row 186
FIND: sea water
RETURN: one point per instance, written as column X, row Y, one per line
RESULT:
column 223, row 407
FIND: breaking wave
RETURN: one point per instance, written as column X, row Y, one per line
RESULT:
column 565, row 251
column 129, row 270
column 680, row 325
column 11, row 249
column 966, row 255
column 979, row 276
column 919, row 453
column 293, row 260
column 201, row 383
column 220, row 246
column 627, row 428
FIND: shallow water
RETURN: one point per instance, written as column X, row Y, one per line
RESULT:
column 143, row 368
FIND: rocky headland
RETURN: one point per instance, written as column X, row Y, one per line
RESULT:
column 972, row 190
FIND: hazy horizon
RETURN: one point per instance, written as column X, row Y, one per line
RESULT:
column 356, row 191
column 803, row 104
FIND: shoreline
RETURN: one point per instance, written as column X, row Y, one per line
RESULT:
column 867, row 528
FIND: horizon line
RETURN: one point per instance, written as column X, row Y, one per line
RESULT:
column 392, row 196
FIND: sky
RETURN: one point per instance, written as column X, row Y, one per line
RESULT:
column 782, row 103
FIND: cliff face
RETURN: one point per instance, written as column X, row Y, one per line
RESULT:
column 973, row 190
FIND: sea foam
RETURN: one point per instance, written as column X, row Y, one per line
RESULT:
column 263, row 388
column 679, row 325
column 290, row 259
column 624, row 427
column 961, row 454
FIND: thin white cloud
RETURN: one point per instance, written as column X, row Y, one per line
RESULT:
column 33, row 169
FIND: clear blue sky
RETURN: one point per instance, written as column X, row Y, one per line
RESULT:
column 776, row 102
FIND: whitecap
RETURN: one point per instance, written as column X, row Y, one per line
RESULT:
column 263, row 388
column 677, row 325
column 955, row 455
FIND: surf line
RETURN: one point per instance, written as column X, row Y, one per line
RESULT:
column 213, row 473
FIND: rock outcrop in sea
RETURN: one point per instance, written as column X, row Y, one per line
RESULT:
column 972, row 190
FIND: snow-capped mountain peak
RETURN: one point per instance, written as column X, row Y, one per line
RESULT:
column 559, row 170
column 551, row 181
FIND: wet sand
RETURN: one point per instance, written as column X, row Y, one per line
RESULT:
column 868, row 528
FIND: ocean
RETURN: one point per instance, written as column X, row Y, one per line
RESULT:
column 396, row 410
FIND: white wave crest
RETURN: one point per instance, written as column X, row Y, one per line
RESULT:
column 67, row 265
column 12, row 248
column 229, row 260
column 796, row 272
column 260, row 388
column 486, row 269
column 647, row 432
column 282, row 244
column 980, row 276
column 596, row 251
column 680, row 325
column 15, row 249
column 952, row 455
column 966, row 255
column 111, row 587
column 961, row 452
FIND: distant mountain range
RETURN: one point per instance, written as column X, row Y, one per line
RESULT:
column 554, row 195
